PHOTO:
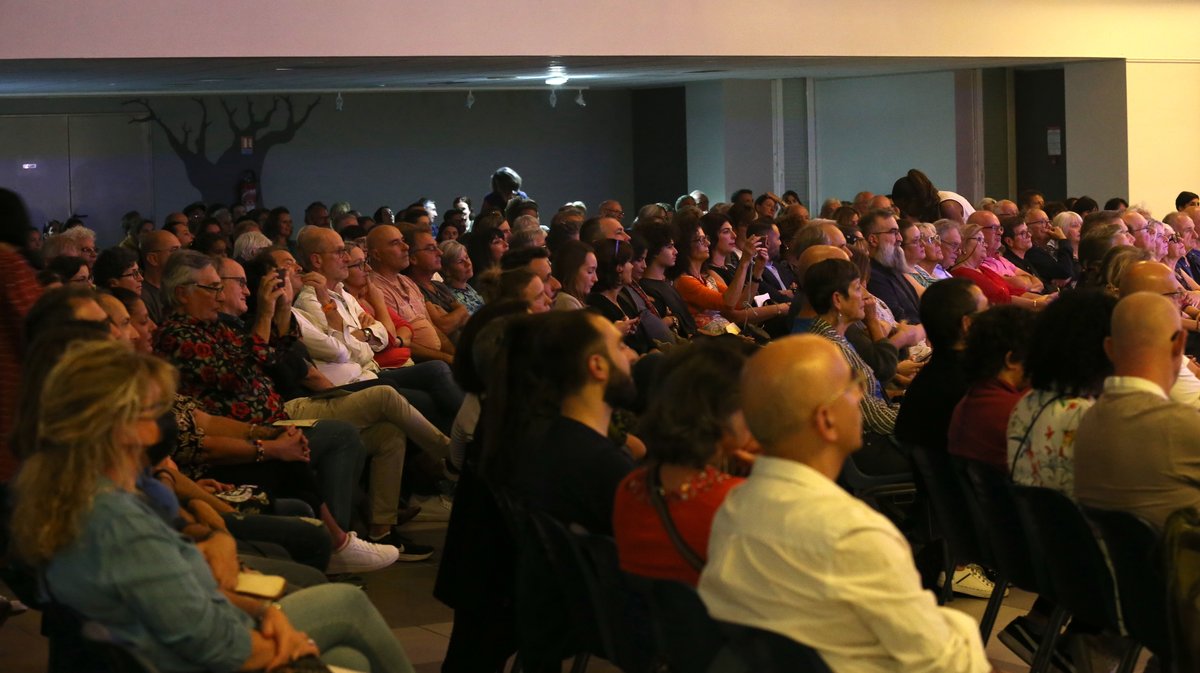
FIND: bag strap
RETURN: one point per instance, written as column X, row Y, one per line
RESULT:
column 654, row 488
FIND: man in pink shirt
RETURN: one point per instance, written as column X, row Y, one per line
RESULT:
column 388, row 255
column 995, row 261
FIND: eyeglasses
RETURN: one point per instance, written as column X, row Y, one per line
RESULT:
column 932, row 239
column 1174, row 296
column 86, row 279
column 1173, row 238
column 953, row 246
column 173, row 248
column 215, row 289
column 618, row 214
column 361, row 264
column 429, row 248
column 1038, row 222
column 858, row 378
column 852, row 239
column 1134, row 231
column 132, row 273
column 340, row 252
column 89, row 251
column 236, row 279
column 1022, row 234
column 990, row 227
column 887, row 232
column 701, row 239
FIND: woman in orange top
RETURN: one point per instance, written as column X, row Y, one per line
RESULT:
column 713, row 304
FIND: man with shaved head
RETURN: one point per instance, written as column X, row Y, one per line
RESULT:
column 156, row 247
column 1136, row 449
column 793, row 553
column 389, row 256
column 1157, row 278
column 995, row 261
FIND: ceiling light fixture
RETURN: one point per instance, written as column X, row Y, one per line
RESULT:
column 470, row 98
column 556, row 79
column 579, row 99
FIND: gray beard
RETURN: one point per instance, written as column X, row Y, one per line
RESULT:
column 893, row 260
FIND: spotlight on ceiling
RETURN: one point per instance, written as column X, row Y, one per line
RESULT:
column 556, row 79
column 338, row 102
column 470, row 98
column 553, row 98
column 579, row 99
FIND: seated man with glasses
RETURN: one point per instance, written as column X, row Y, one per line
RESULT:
column 156, row 247
column 425, row 262
column 1018, row 281
column 1051, row 255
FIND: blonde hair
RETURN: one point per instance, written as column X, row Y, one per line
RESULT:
column 95, row 391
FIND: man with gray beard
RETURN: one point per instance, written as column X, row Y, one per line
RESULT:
column 886, row 279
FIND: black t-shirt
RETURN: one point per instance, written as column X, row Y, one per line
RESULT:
column 924, row 417
column 573, row 474
column 666, row 297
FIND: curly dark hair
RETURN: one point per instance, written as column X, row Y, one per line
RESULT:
column 994, row 334
column 696, row 391
column 1067, row 351
column 609, row 256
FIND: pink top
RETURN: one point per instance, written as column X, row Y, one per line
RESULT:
column 404, row 297
column 1000, row 265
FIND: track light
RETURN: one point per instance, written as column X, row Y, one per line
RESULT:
column 470, row 99
column 553, row 98
column 579, row 99
column 338, row 102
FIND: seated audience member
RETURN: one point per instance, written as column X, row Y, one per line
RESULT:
column 613, row 273
column 713, row 304
column 1175, row 257
column 1093, row 249
column 723, row 251
column 1161, row 475
column 1051, row 254
column 882, row 234
column 969, row 265
column 488, row 241
column 1018, row 281
column 80, row 239
column 78, row 505
column 1116, row 261
column 549, row 405
column 693, row 430
column 931, row 263
column 527, row 233
column 564, row 225
column 661, row 254
column 1066, row 367
column 117, row 267
column 519, row 284
column 388, row 255
column 792, row 553
column 358, row 283
column 156, row 247
column 73, row 270
column 1147, row 276
column 836, row 294
column 224, row 370
column 912, row 244
column 444, row 310
column 575, row 269
column 947, row 309
column 211, row 244
column 247, row 246
column 994, row 364
column 536, row 260
column 457, row 272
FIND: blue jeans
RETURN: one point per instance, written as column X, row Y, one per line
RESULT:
column 338, row 457
column 349, row 631
column 432, row 378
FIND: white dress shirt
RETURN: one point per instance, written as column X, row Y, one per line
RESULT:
column 339, row 355
column 793, row 553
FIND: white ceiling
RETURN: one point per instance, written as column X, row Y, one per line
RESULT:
column 82, row 77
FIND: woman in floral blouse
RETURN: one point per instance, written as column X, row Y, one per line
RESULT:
column 1066, row 366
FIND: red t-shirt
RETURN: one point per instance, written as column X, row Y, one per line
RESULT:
column 643, row 545
column 979, row 426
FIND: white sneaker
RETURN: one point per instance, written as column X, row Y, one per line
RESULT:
column 433, row 507
column 361, row 556
column 970, row 580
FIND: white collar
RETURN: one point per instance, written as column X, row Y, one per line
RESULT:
column 1132, row 384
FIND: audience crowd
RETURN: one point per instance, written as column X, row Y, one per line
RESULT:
column 211, row 397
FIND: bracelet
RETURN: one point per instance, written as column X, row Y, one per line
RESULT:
column 253, row 429
column 260, row 451
column 756, row 280
column 329, row 307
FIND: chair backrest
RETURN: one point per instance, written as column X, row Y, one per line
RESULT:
column 764, row 651
column 1135, row 551
column 622, row 615
column 989, row 499
column 575, row 612
column 687, row 637
column 1182, row 552
column 950, row 510
column 1071, row 563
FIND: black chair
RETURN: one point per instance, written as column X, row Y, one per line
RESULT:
column 763, row 651
column 1135, row 551
column 889, row 494
column 954, row 526
column 1072, row 568
column 1182, row 552
column 686, row 637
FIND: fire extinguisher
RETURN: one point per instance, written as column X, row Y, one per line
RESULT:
column 247, row 190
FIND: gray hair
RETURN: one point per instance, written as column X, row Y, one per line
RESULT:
column 1060, row 220
column 79, row 235
column 526, row 233
column 250, row 244
column 946, row 224
column 181, row 269
column 451, row 250
column 57, row 245
column 809, row 235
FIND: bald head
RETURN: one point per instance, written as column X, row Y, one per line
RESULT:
column 312, row 240
column 785, row 384
column 1154, row 277
column 984, row 218
column 1142, row 328
column 818, row 253
column 1006, row 208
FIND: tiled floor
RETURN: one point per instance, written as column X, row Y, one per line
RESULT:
column 403, row 594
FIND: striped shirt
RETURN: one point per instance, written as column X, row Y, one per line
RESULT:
column 878, row 415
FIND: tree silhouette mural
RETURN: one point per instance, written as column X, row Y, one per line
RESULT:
column 217, row 180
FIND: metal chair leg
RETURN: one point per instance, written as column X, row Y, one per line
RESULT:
column 1045, row 650
column 993, row 608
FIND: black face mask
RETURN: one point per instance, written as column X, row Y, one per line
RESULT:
column 168, row 439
